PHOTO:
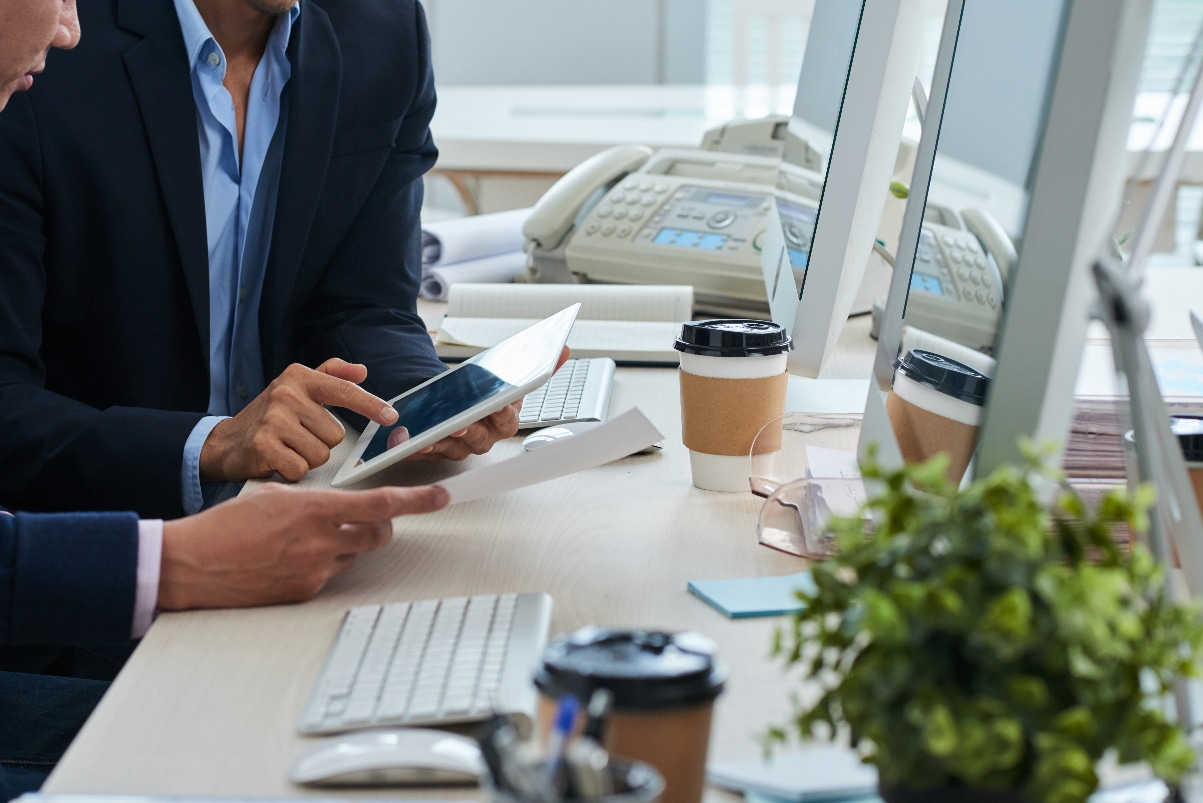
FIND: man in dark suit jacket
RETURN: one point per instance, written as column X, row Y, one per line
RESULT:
column 106, row 343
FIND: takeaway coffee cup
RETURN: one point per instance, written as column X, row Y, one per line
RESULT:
column 935, row 406
column 663, row 686
column 733, row 382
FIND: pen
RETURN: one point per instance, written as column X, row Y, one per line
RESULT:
column 561, row 729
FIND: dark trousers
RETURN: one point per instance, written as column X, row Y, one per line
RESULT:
column 41, row 713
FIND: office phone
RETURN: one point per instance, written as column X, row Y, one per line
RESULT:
column 959, row 278
column 631, row 215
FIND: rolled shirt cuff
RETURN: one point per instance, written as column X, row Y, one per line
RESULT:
column 190, row 483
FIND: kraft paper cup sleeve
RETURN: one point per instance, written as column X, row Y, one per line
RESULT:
column 922, row 434
column 724, row 416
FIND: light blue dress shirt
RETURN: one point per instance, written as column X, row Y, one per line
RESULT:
column 240, row 206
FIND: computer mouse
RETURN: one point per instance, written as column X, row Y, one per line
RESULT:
column 394, row 756
column 541, row 437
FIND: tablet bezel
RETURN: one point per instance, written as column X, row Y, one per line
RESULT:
column 350, row 473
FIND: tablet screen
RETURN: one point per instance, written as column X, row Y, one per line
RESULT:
column 469, row 392
column 433, row 404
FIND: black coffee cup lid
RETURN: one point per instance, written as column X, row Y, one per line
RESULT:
column 643, row 670
column 733, row 337
column 949, row 377
column 1189, row 431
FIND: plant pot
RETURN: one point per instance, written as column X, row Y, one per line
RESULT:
column 945, row 794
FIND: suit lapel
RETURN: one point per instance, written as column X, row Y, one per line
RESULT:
column 159, row 72
column 313, row 92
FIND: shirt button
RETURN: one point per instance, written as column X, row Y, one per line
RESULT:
column 214, row 59
column 242, row 391
column 243, row 292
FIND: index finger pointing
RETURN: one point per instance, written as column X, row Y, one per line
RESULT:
column 325, row 389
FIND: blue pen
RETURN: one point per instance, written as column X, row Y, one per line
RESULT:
column 561, row 730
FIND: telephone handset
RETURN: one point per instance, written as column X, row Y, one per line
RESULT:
column 959, row 278
column 552, row 217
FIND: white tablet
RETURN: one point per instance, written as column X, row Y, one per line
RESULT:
column 461, row 396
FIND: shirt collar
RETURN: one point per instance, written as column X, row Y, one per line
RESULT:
column 196, row 32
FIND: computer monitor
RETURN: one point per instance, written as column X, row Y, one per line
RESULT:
column 853, row 92
column 1018, row 174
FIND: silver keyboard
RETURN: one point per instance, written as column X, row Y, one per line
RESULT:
column 432, row 662
column 579, row 391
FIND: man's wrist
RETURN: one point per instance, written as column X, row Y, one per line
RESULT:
column 192, row 472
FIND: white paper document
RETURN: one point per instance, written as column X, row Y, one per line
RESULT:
column 629, row 323
column 599, row 302
column 616, row 438
column 651, row 339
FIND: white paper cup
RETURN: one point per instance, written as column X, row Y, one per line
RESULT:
column 720, row 419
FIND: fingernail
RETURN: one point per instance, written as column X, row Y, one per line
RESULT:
column 441, row 496
column 388, row 414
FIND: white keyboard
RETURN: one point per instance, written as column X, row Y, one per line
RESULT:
column 579, row 391
column 432, row 662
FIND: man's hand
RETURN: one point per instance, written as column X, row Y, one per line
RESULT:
column 278, row 544
column 285, row 429
column 478, row 438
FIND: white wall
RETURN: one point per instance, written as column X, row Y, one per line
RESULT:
column 486, row 42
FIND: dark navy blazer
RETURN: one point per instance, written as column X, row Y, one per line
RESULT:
column 104, row 259
column 66, row 579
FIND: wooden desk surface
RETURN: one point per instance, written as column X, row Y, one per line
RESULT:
column 210, row 700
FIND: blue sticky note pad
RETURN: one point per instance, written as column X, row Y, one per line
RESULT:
column 754, row 596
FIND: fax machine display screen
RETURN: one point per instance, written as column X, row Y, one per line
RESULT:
column 453, row 393
column 705, row 240
column 927, row 283
column 729, row 199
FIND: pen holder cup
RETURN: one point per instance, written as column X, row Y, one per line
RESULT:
column 630, row 782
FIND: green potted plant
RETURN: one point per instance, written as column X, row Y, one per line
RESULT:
column 982, row 644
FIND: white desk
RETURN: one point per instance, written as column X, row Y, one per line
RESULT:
column 209, row 702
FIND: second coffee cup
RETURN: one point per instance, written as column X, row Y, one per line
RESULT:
column 663, row 686
column 935, row 407
column 733, row 382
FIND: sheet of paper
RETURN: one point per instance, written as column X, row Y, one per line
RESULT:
column 616, row 438
column 806, row 395
column 592, row 336
column 813, row 773
column 754, row 596
column 599, row 302
column 828, row 463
